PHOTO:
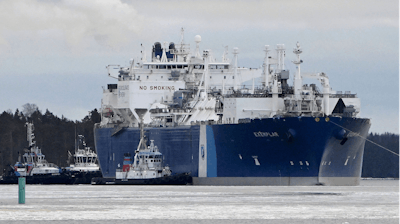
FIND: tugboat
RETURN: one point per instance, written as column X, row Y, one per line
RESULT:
column 35, row 167
column 85, row 165
column 147, row 166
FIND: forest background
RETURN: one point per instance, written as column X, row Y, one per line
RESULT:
column 56, row 136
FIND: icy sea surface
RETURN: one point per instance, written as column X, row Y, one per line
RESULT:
column 374, row 201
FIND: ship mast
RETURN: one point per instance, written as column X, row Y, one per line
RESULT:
column 182, row 50
column 266, row 68
column 235, row 53
column 298, row 82
column 30, row 135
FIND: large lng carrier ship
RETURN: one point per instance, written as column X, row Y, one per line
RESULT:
column 227, row 125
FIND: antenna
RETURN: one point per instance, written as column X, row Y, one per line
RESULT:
column 266, row 67
column 225, row 55
column 298, row 82
column 235, row 53
column 197, row 39
column 280, row 50
column 144, row 59
column 182, row 35
column 75, row 139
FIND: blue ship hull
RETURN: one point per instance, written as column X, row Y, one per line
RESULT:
column 271, row 151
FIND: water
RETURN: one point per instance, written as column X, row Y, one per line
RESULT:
column 374, row 201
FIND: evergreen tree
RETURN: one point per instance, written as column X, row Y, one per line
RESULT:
column 379, row 162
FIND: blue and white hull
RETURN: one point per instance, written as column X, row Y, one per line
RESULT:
column 271, row 151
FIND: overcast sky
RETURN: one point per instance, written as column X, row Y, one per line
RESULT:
column 54, row 53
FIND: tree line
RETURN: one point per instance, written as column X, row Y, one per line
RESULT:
column 56, row 136
column 378, row 161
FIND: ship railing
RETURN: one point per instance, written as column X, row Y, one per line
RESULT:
column 347, row 94
column 125, row 78
column 209, row 122
column 180, row 111
column 250, row 87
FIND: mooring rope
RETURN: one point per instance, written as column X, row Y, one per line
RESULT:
column 365, row 138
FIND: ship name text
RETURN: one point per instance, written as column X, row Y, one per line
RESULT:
column 265, row 134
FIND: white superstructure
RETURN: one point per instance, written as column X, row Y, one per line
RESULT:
column 180, row 87
column 85, row 159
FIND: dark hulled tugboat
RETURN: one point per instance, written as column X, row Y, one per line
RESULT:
column 85, row 165
column 35, row 167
